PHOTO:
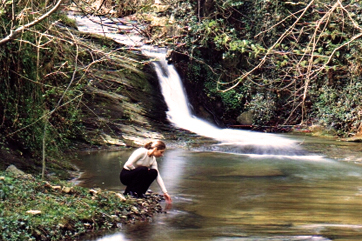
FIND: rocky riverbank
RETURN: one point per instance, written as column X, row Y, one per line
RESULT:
column 33, row 209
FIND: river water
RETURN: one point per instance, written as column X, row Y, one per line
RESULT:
column 249, row 186
column 223, row 196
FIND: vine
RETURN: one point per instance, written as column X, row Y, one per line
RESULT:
column 290, row 49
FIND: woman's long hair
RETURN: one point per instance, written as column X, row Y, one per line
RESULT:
column 159, row 144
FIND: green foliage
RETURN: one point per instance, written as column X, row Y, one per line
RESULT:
column 45, row 75
column 232, row 100
column 24, row 99
column 250, row 45
column 340, row 108
column 129, row 7
column 232, row 3
column 63, row 18
column 216, row 34
column 64, row 215
column 263, row 107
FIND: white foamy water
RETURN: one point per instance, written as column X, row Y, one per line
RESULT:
column 110, row 28
column 180, row 115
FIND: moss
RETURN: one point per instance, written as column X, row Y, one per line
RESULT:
column 32, row 209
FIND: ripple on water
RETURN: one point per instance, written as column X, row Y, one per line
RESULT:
column 275, row 238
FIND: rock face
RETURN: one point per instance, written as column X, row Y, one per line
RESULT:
column 128, row 112
column 123, row 103
column 202, row 106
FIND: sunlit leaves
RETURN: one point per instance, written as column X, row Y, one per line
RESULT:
column 232, row 3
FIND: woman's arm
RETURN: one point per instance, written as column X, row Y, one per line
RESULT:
column 161, row 183
column 163, row 188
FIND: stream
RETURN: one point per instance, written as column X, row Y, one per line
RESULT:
column 223, row 196
column 248, row 186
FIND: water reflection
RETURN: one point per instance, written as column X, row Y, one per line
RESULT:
column 117, row 236
column 101, row 169
column 219, row 196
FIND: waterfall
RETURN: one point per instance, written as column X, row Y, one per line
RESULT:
column 180, row 115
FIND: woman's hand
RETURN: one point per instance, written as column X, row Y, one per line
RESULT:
column 168, row 202
column 167, row 198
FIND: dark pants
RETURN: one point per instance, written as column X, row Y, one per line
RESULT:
column 138, row 180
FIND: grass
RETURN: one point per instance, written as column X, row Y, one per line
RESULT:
column 32, row 209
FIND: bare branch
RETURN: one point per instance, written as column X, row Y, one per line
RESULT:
column 270, row 50
column 13, row 34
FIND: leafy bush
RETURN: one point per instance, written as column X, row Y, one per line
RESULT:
column 340, row 107
column 263, row 108
column 278, row 47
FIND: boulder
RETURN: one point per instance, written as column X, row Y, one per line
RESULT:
column 16, row 172
column 12, row 169
column 245, row 118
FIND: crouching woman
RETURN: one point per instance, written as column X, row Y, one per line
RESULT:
column 141, row 170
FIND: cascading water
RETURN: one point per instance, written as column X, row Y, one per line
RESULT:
column 180, row 115
column 218, row 196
